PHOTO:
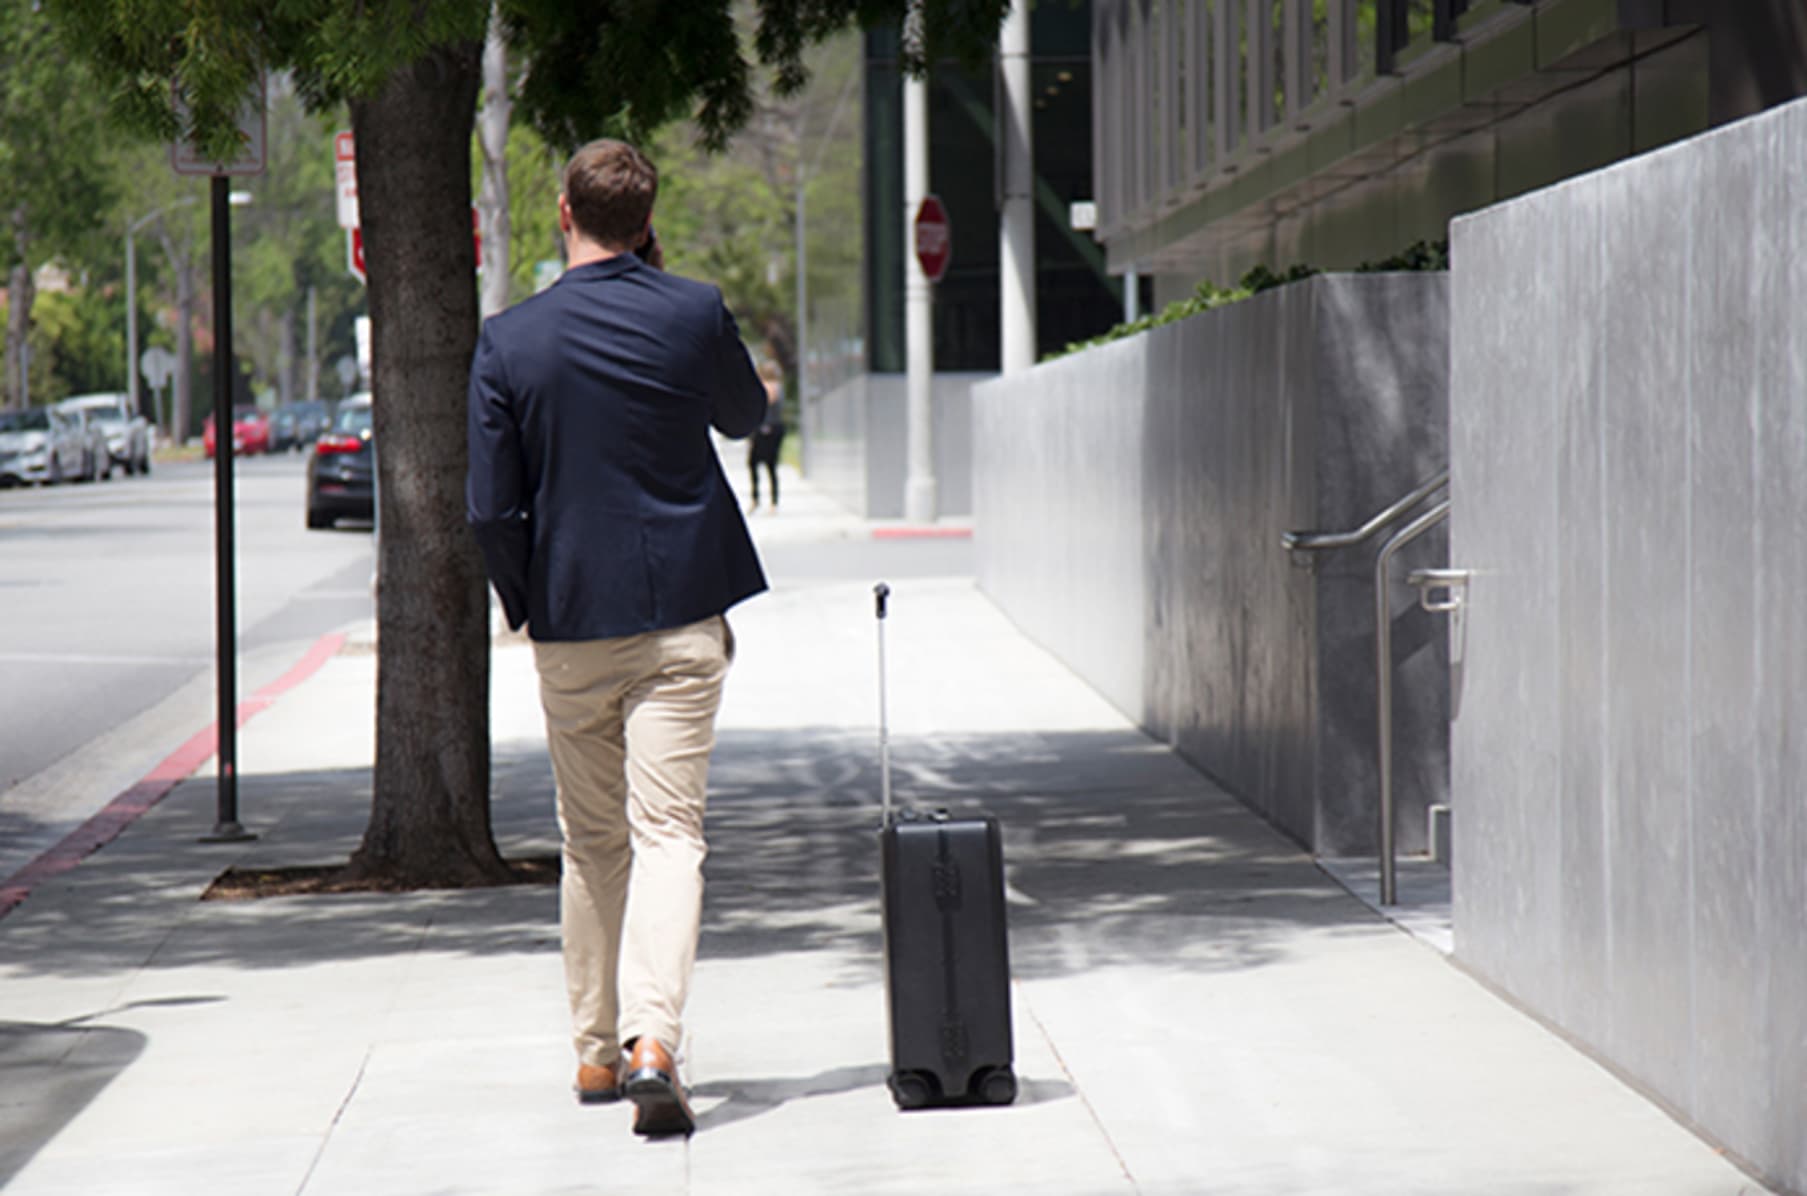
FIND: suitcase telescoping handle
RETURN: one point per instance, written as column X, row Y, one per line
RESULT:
column 880, row 593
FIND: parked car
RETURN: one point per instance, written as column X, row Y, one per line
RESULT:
column 128, row 434
column 341, row 468
column 250, row 432
column 40, row 444
column 295, row 426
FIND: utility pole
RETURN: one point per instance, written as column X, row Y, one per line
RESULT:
column 1016, row 232
column 311, row 376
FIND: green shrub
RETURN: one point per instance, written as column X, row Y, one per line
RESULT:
column 1425, row 255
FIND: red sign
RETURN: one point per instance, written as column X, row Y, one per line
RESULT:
column 934, row 238
column 345, row 174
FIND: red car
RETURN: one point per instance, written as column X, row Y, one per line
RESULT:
column 250, row 432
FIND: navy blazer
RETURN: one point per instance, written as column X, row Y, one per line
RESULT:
column 594, row 490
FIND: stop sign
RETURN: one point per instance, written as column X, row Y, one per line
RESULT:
column 934, row 238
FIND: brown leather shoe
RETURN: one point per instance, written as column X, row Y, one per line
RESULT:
column 652, row 1084
column 597, row 1085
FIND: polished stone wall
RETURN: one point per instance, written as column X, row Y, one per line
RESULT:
column 1629, row 448
column 857, row 444
column 1130, row 502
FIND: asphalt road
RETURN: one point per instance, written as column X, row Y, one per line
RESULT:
column 107, row 612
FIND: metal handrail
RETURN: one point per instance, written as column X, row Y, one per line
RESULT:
column 1383, row 659
column 1325, row 541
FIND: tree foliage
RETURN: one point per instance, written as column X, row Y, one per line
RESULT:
column 53, row 181
column 627, row 66
column 52, row 145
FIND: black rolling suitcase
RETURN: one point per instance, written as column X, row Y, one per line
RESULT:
column 947, row 963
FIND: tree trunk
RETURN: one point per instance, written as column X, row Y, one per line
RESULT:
column 429, row 819
column 492, row 198
column 780, row 333
column 20, row 292
column 285, row 357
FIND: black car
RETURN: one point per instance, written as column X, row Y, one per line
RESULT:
column 341, row 468
column 295, row 426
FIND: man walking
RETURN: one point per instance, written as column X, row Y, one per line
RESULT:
column 608, row 529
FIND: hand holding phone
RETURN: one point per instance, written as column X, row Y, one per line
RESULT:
column 650, row 251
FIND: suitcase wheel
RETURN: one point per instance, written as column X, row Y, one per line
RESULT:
column 996, row 1086
column 910, row 1089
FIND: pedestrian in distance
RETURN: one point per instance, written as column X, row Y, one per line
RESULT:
column 769, row 439
column 610, row 532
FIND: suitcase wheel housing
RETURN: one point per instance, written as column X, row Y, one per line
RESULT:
column 911, row 1089
column 995, row 1085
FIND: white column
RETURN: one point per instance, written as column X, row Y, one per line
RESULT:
column 919, row 342
column 1016, row 240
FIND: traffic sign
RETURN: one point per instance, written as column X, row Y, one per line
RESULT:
column 185, row 156
column 345, row 171
column 158, row 366
column 934, row 238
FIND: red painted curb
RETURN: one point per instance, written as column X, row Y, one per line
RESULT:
column 922, row 533
column 111, row 819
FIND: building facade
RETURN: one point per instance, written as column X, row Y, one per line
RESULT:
column 1235, row 133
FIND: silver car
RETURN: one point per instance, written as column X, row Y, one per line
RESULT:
column 41, row 444
column 128, row 434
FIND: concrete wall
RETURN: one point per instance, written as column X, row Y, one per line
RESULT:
column 1629, row 447
column 1129, row 506
column 857, row 444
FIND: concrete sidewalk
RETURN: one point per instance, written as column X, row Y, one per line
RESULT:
column 1198, row 1008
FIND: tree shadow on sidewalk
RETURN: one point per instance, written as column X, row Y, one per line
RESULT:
column 1116, row 852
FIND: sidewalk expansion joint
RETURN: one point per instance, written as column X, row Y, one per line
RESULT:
column 351, row 1093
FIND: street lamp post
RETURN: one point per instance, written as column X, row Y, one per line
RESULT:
column 131, row 297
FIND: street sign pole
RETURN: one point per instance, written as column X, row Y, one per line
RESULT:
column 187, row 157
column 226, row 827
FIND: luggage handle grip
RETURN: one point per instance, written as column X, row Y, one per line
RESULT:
column 880, row 592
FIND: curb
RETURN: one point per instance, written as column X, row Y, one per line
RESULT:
column 922, row 532
column 113, row 818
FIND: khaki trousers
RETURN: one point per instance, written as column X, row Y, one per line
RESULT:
column 630, row 723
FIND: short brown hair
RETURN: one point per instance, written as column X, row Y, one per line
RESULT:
column 610, row 187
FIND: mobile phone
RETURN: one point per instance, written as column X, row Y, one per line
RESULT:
column 644, row 250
